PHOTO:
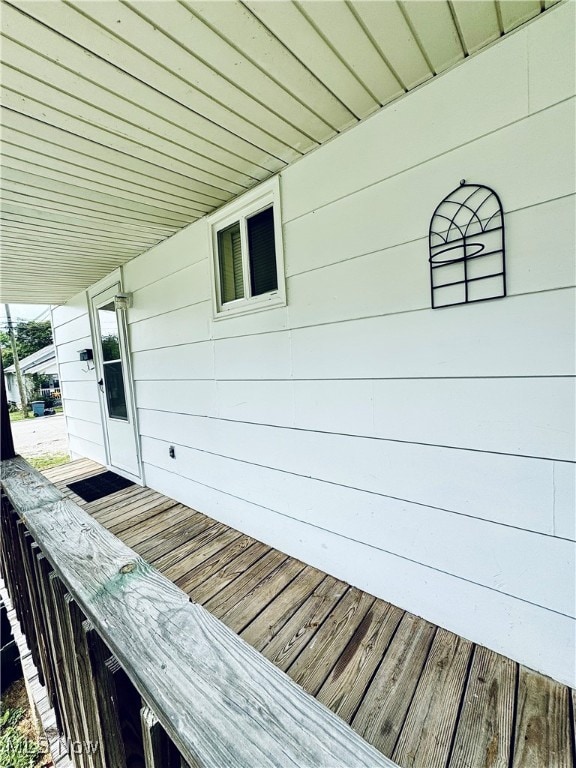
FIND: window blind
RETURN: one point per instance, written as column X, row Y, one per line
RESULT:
column 262, row 252
column 230, row 258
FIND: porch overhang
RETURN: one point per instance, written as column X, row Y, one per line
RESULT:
column 124, row 122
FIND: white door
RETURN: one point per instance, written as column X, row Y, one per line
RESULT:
column 111, row 357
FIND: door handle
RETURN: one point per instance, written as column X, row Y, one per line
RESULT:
column 101, row 384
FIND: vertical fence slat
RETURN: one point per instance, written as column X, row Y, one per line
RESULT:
column 58, row 590
column 99, row 657
column 7, row 564
column 32, row 635
column 23, row 601
column 29, row 551
column 12, row 548
column 55, row 649
column 96, row 733
column 55, row 698
column 128, row 704
column 159, row 750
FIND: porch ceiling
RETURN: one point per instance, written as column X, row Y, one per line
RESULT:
column 125, row 121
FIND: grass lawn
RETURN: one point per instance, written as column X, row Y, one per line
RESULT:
column 20, row 746
column 19, row 415
column 48, row 460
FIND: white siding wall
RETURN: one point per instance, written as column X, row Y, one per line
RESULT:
column 71, row 328
column 424, row 456
column 12, row 392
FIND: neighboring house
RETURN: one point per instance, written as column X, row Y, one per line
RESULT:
column 42, row 362
column 277, row 363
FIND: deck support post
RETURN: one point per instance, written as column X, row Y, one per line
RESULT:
column 6, row 441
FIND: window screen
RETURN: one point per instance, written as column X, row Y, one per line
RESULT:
column 262, row 252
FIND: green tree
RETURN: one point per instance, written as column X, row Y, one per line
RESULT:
column 5, row 347
column 31, row 336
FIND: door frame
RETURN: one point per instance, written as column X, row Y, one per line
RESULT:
column 111, row 280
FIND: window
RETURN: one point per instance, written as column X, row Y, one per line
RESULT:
column 247, row 253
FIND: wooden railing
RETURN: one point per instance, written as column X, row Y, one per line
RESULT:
column 136, row 673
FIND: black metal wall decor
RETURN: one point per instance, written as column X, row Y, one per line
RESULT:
column 466, row 238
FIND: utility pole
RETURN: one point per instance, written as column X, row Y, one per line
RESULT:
column 19, row 379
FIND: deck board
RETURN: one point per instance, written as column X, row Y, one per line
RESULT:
column 226, row 566
column 345, row 686
column 321, row 654
column 432, row 717
column 543, row 723
column 239, row 614
column 300, row 630
column 173, row 562
column 243, row 585
column 276, row 614
column 380, row 717
column 215, row 540
column 421, row 695
column 168, row 539
column 121, row 524
column 484, row 732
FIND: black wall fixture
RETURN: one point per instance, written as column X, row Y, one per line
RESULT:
column 466, row 238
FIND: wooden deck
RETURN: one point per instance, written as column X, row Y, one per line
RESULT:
column 421, row 695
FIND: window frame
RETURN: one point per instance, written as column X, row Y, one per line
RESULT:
column 264, row 196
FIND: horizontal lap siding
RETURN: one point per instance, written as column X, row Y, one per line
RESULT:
column 71, row 326
column 507, row 625
column 511, row 490
column 362, row 282
column 504, row 338
column 425, row 456
column 489, row 554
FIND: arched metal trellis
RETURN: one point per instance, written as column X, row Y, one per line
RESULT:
column 466, row 238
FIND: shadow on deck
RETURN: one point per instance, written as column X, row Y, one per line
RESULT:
column 423, row 696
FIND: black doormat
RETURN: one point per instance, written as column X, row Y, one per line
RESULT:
column 99, row 486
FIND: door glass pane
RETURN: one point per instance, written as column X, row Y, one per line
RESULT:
column 109, row 332
column 114, row 386
column 112, row 362
column 230, row 259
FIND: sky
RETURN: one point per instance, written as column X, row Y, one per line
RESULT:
column 25, row 312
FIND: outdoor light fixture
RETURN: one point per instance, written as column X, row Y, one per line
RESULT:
column 123, row 301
